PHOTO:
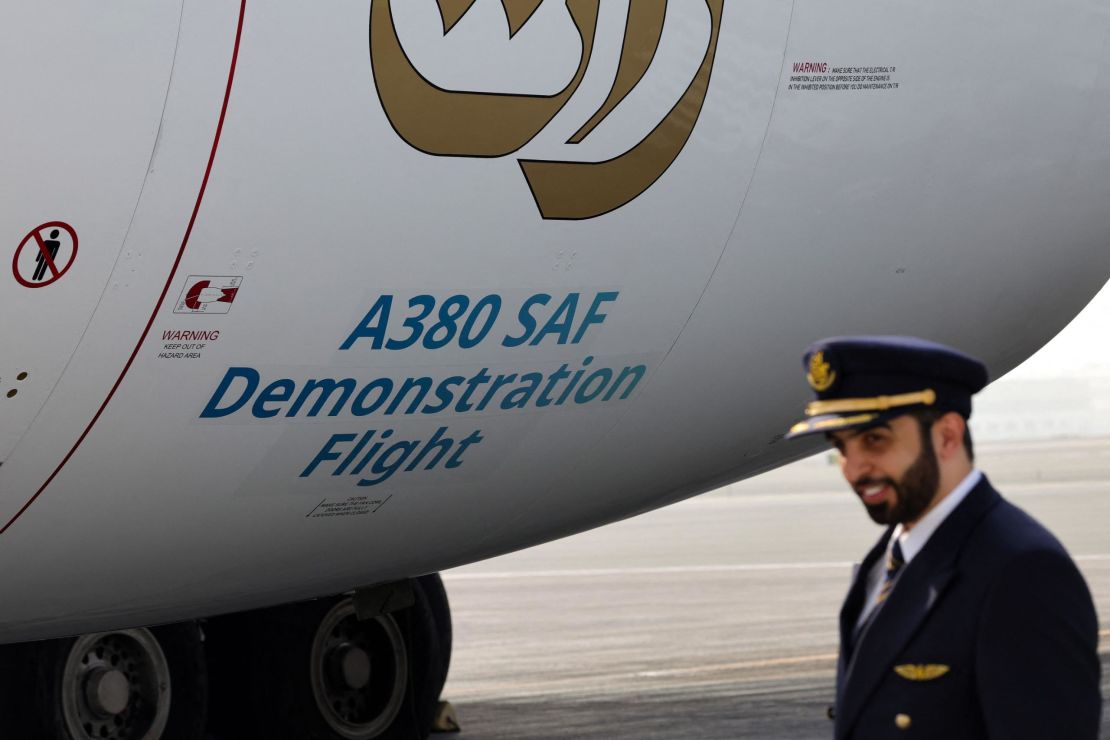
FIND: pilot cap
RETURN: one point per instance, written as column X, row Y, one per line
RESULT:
column 862, row 381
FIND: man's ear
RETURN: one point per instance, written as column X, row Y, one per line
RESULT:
column 948, row 435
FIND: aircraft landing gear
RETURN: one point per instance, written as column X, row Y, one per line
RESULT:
column 368, row 666
column 333, row 669
column 131, row 684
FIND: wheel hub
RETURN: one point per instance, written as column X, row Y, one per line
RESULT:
column 359, row 672
column 108, row 692
column 354, row 666
column 116, row 686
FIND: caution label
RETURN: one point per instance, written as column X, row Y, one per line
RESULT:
column 186, row 344
column 350, row 506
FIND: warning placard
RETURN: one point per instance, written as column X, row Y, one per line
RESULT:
column 45, row 254
column 351, row 506
column 825, row 77
column 208, row 294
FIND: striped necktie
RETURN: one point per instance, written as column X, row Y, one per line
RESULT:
column 894, row 563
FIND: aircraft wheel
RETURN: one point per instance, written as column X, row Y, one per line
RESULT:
column 358, row 672
column 314, row 671
column 133, row 684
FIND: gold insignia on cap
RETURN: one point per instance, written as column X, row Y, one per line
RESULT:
column 903, row 721
column 821, row 376
column 921, row 672
column 878, row 403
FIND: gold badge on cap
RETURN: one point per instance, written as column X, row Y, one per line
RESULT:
column 821, row 376
column 921, row 672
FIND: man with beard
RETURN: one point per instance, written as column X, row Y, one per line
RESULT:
column 967, row 619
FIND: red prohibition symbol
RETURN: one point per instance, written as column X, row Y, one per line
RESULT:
column 50, row 250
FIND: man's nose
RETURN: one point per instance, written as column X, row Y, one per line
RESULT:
column 854, row 465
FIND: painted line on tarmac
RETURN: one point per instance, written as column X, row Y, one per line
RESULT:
column 769, row 663
column 661, row 570
column 818, row 676
column 677, row 570
column 823, row 669
column 757, row 664
column 741, row 665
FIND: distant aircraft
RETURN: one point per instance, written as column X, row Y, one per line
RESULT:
column 308, row 302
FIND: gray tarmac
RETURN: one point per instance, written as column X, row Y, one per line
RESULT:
column 716, row 617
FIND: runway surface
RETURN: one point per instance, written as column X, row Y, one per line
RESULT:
column 716, row 617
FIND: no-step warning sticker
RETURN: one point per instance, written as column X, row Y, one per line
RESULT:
column 45, row 254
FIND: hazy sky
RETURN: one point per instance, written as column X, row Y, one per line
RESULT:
column 1083, row 345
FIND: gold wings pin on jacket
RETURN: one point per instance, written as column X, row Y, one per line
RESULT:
column 920, row 671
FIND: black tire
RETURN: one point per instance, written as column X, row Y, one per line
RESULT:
column 441, row 613
column 182, row 649
column 427, row 666
column 17, row 691
column 263, row 685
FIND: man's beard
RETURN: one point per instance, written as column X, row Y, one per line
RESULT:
column 913, row 494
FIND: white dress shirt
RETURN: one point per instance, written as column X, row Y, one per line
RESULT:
column 913, row 540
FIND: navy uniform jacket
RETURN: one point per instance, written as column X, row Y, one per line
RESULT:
column 994, row 598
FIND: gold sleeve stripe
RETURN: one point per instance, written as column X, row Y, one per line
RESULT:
column 878, row 403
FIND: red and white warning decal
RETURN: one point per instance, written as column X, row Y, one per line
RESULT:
column 45, row 254
column 208, row 294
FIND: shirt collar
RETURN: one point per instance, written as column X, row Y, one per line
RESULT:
column 914, row 540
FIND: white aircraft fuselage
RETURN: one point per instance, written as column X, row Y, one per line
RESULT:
column 304, row 297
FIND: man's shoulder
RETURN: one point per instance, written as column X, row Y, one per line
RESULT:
column 1007, row 533
column 1013, row 563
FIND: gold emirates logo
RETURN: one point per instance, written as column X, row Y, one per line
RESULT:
column 821, row 376
column 459, row 123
